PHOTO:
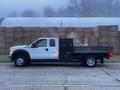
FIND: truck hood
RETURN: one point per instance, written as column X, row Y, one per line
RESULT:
column 18, row 47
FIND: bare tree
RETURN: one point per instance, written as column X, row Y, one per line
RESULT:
column 116, row 11
column 83, row 7
column 49, row 12
column 13, row 14
column 75, row 6
column 29, row 13
column 92, row 8
column 86, row 8
column 61, row 13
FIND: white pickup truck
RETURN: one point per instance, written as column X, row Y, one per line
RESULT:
column 58, row 50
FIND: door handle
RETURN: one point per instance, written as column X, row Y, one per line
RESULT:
column 46, row 49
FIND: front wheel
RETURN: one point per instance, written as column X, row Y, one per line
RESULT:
column 90, row 61
column 20, row 61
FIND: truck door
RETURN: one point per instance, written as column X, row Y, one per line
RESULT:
column 53, row 49
column 43, row 49
column 38, row 49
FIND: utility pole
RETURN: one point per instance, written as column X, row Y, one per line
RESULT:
column 60, row 29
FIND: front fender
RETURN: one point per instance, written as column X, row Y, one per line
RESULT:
column 19, row 52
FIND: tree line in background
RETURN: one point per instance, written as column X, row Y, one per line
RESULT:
column 26, row 13
column 78, row 8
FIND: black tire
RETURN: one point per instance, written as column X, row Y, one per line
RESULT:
column 20, row 61
column 90, row 61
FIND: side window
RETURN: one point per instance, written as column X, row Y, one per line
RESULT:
column 40, row 43
column 52, row 42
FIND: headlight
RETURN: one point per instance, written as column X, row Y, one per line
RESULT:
column 12, row 50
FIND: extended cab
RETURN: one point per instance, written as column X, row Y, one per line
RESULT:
column 58, row 50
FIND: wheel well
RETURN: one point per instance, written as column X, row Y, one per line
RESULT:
column 96, row 56
column 20, row 52
column 86, row 59
column 84, row 56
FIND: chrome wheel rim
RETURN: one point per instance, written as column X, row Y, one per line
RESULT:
column 90, row 62
column 20, row 61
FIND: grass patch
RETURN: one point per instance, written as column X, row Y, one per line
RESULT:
column 5, row 58
column 115, row 58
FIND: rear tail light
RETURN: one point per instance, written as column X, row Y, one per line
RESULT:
column 110, row 54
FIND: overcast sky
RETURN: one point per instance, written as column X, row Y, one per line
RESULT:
column 7, row 6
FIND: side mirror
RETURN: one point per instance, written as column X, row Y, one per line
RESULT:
column 32, row 46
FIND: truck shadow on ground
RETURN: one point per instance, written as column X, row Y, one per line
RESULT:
column 55, row 65
column 63, row 65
